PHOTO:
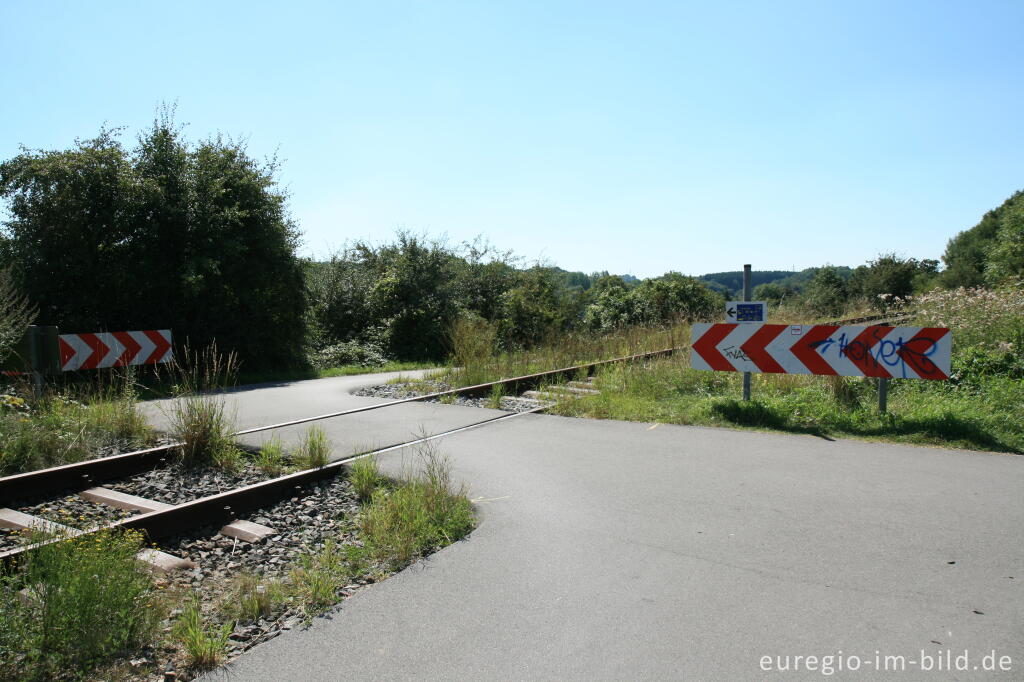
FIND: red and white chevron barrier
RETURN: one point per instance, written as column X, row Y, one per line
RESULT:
column 875, row 351
column 114, row 349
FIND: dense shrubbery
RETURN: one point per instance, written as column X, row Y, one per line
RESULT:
column 167, row 234
column 402, row 300
column 991, row 251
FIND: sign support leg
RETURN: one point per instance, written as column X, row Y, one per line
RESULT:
column 746, row 297
column 883, row 394
column 36, row 360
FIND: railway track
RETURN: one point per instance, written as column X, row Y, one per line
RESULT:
column 885, row 320
column 159, row 520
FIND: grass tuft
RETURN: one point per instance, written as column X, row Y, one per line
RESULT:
column 271, row 458
column 423, row 512
column 198, row 414
column 319, row 578
column 365, row 477
column 204, row 645
column 252, row 597
column 314, row 451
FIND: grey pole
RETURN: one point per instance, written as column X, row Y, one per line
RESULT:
column 746, row 297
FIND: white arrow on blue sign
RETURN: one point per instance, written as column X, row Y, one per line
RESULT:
column 746, row 311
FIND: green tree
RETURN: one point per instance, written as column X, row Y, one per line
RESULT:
column 533, row 310
column 825, row 294
column 660, row 300
column 889, row 276
column 413, row 296
column 168, row 234
column 339, row 302
column 772, row 292
column 968, row 252
column 1006, row 253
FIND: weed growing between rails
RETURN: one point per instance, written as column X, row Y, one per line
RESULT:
column 198, row 413
column 476, row 359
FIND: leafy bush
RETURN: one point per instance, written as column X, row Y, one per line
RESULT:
column 347, row 353
column 977, row 363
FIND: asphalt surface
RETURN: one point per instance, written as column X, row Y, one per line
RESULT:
column 625, row 551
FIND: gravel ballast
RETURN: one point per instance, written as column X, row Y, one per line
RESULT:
column 410, row 390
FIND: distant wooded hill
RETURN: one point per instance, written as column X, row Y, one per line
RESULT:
column 730, row 283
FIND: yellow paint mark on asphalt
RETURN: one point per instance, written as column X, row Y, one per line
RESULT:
column 656, row 425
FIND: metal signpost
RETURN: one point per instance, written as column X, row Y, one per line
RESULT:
column 746, row 297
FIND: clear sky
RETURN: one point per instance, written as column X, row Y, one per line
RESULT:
column 633, row 137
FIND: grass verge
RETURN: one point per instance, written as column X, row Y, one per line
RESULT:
column 62, row 429
column 981, row 414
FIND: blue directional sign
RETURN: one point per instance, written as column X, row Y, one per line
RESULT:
column 746, row 311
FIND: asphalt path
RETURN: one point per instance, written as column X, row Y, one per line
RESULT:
column 625, row 551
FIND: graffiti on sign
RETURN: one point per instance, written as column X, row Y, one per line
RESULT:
column 874, row 351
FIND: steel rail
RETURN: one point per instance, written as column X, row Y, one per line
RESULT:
column 901, row 317
column 224, row 507
column 84, row 474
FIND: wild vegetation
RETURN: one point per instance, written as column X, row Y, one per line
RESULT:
column 64, row 427
column 71, row 606
column 200, row 234
column 976, row 408
column 83, row 606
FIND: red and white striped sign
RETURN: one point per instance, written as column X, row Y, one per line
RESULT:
column 875, row 351
column 114, row 349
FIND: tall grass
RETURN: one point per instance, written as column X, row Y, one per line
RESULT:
column 198, row 413
column 475, row 358
column 62, row 428
column 425, row 511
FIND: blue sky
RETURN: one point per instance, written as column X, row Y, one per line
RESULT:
column 632, row 137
